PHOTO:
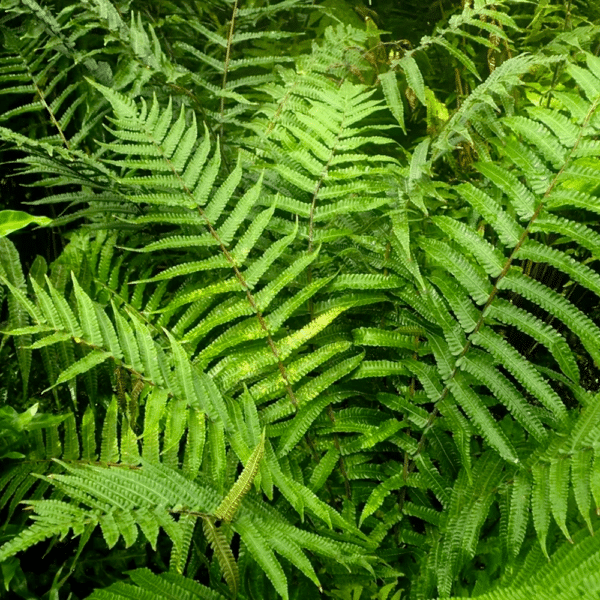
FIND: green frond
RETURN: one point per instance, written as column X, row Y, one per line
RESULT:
column 467, row 511
column 506, row 392
column 174, row 430
column 581, row 465
column 227, row 563
column 109, row 452
column 87, row 315
column 127, row 342
column 155, row 407
column 482, row 419
column 227, row 230
column 294, row 554
column 89, row 361
column 491, row 259
column 194, row 447
column 392, row 96
column 324, row 469
column 537, row 135
column 33, row 311
column 296, row 370
column 263, row 555
column 546, row 335
column 379, row 494
column 559, row 490
column 265, row 296
column 556, row 305
column 88, row 435
column 215, row 262
column 217, row 449
column 458, row 54
column 154, row 587
column 470, row 276
column 54, row 518
column 573, row 230
column 522, row 370
column 148, row 351
column 540, row 503
column 519, row 511
column 231, row 503
column 585, row 430
column 507, row 228
column 521, row 197
column 582, row 274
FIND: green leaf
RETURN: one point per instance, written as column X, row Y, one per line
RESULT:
column 581, row 471
column 519, row 511
column 109, row 452
column 538, row 330
column 553, row 302
column 88, row 435
column 300, row 424
column 522, row 369
column 482, row 419
column 458, row 54
column 491, row 259
column 540, row 503
column 223, row 552
column 262, row 554
column 324, row 469
column 87, row 315
column 414, row 78
column 506, row 392
column 559, row 492
column 216, row 445
column 153, row 586
column 389, row 85
column 83, row 365
column 230, row 504
column 473, row 279
column 379, row 494
column 522, row 198
column 194, row 447
column 586, row 430
column 538, row 252
column 13, row 220
column 539, row 137
column 508, row 229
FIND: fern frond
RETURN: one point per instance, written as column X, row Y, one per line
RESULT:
column 230, row 504
column 263, row 555
column 157, row 586
column 221, row 548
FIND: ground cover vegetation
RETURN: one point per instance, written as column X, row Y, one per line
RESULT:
column 300, row 299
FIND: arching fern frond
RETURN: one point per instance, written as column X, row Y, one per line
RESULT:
column 122, row 500
column 157, row 586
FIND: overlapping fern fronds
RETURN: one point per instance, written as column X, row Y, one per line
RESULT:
column 496, row 293
column 358, row 331
column 172, row 389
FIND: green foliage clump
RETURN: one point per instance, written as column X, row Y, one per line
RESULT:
column 317, row 306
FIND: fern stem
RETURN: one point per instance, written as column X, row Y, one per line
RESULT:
column 323, row 174
column 52, row 117
column 313, row 205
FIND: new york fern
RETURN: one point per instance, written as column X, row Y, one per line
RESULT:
column 325, row 319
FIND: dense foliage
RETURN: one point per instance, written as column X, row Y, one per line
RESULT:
column 304, row 301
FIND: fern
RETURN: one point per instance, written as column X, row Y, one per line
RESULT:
column 328, row 323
